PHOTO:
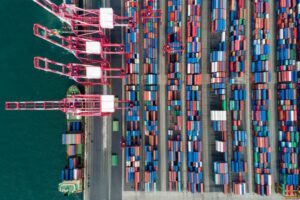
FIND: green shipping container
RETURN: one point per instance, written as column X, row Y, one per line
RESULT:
column 115, row 125
column 79, row 148
column 114, row 160
column 224, row 106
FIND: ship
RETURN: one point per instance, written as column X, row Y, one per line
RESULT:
column 72, row 174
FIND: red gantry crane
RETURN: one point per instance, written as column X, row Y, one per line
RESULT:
column 173, row 48
column 85, row 22
column 86, row 50
column 83, row 74
column 149, row 13
column 77, row 105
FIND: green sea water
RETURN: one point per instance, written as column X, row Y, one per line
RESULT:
column 32, row 155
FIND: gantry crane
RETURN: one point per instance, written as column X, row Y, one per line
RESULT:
column 81, row 73
column 86, row 22
column 77, row 105
column 86, row 50
column 173, row 48
column 149, row 13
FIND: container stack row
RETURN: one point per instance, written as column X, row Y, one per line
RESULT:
column 218, row 109
column 239, row 139
column 193, row 97
column 132, row 93
column 237, row 15
column 174, row 86
column 260, row 97
column 73, row 141
column 150, row 62
column 288, row 129
column 237, row 18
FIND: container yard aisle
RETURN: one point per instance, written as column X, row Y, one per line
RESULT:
column 228, row 97
column 273, row 96
column 248, row 97
column 141, row 98
column 205, row 84
column 183, row 99
column 162, row 99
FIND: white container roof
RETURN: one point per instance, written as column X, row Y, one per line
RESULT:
column 93, row 72
column 106, row 18
column 107, row 104
column 93, row 47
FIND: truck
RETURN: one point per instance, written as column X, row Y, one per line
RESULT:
column 114, row 160
column 115, row 125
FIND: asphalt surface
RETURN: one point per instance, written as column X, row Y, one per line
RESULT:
column 117, row 61
column 183, row 99
column 98, row 151
column 141, row 103
column 249, row 147
column 273, row 97
column 205, row 84
column 162, row 102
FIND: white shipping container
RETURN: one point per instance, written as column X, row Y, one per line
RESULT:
column 239, row 188
column 218, row 115
column 221, row 146
column 281, row 33
column 223, row 35
column 190, row 146
column 270, row 180
column 214, row 66
column 136, row 164
column 298, row 66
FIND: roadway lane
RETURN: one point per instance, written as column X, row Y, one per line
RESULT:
column 183, row 99
column 162, row 100
column 97, row 149
column 228, row 96
column 205, row 84
column 249, row 146
column 142, row 85
column 273, row 97
column 116, row 62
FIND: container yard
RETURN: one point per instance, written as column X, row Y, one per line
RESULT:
column 220, row 122
column 286, row 68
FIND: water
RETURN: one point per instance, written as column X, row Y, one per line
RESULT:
column 31, row 151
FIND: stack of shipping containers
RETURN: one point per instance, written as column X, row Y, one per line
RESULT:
column 132, row 93
column 73, row 140
column 193, row 97
column 298, row 69
column 150, row 62
column 218, row 112
column 174, row 115
column 260, row 97
column 238, row 94
column 287, row 97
